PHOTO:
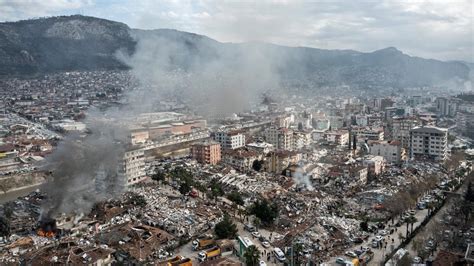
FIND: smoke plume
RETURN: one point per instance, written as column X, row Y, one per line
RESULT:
column 84, row 168
column 212, row 84
column 210, row 79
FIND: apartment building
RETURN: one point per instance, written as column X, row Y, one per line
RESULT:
column 400, row 129
column 429, row 142
column 391, row 151
column 133, row 166
column 281, row 138
column 233, row 139
column 207, row 152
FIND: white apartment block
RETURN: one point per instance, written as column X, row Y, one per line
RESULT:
column 133, row 167
column 430, row 142
column 230, row 139
column 280, row 138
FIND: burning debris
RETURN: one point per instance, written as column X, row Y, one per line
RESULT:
column 47, row 227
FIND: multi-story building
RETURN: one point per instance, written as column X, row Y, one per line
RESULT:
column 400, row 129
column 392, row 151
column 260, row 147
column 364, row 134
column 281, row 138
column 133, row 166
column 207, row 152
column 301, row 139
column 446, row 106
column 336, row 122
column 429, row 142
column 230, row 139
column 339, row 137
column 240, row 159
column 465, row 123
column 277, row 161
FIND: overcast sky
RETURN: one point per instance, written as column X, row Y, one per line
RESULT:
column 442, row 29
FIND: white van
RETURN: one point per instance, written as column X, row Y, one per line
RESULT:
column 279, row 254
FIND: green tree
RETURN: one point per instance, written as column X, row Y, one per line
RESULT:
column 297, row 253
column 252, row 256
column 158, row 175
column 236, row 197
column 216, row 190
column 265, row 211
column 136, row 199
column 184, row 188
column 226, row 228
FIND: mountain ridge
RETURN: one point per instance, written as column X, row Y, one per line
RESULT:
column 78, row 42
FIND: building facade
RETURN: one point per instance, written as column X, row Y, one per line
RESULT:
column 133, row 166
column 391, row 151
column 281, row 138
column 230, row 139
column 207, row 152
column 429, row 142
column 400, row 129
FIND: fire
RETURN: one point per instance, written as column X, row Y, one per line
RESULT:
column 48, row 234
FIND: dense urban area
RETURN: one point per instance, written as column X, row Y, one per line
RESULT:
column 350, row 177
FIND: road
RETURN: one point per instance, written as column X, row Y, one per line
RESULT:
column 16, row 193
column 391, row 245
column 188, row 252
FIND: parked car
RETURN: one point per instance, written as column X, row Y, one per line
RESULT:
column 266, row 244
column 384, row 232
column 350, row 254
column 375, row 244
column 341, row 261
column 249, row 227
column 256, row 234
column 416, row 260
column 379, row 238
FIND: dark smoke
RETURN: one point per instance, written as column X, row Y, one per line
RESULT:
column 85, row 168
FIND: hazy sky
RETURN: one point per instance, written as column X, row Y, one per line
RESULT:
column 440, row 29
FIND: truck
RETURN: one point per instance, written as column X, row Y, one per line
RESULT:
column 203, row 243
column 172, row 260
column 209, row 254
column 181, row 262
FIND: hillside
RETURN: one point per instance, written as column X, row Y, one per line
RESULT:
column 87, row 43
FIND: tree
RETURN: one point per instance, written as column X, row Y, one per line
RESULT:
column 257, row 222
column 297, row 252
column 265, row 211
column 257, row 165
column 184, row 188
column 364, row 226
column 158, row 175
column 226, row 228
column 411, row 220
column 4, row 226
column 236, row 197
column 136, row 199
column 8, row 210
column 469, row 195
column 252, row 256
column 216, row 190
